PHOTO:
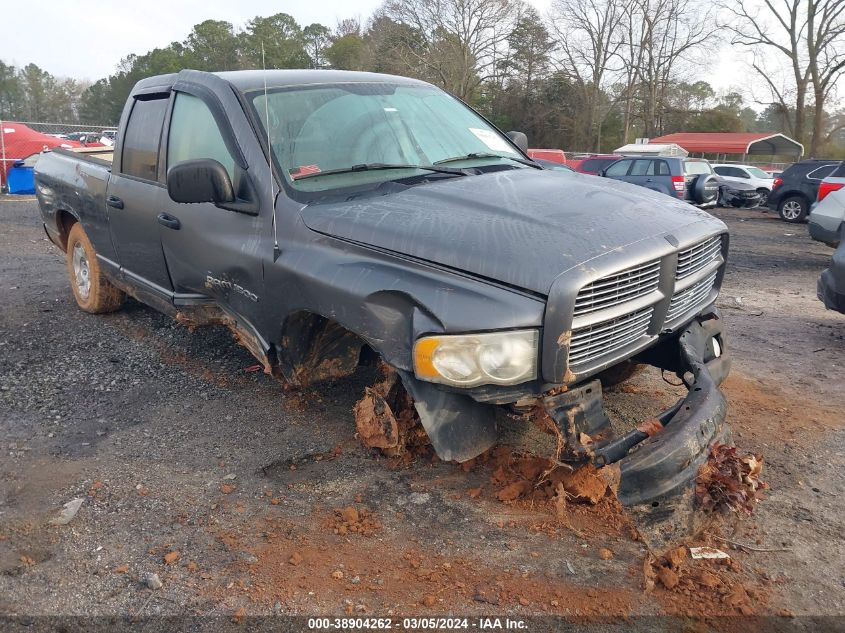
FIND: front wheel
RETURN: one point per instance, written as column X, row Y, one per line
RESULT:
column 764, row 197
column 92, row 290
column 793, row 209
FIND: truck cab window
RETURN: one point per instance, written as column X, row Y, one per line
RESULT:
column 143, row 132
column 194, row 134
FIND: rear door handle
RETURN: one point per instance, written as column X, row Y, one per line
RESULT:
column 114, row 202
column 165, row 219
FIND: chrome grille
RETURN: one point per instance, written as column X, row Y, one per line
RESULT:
column 689, row 298
column 591, row 342
column 698, row 257
column 620, row 287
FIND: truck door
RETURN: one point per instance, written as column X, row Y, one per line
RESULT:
column 211, row 250
column 135, row 194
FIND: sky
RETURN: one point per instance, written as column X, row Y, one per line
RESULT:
column 85, row 39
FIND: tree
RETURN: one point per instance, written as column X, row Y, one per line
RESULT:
column 11, row 93
column 317, row 38
column 462, row 40
column 810, row 36
column 347, row 52
column 664, row 39
column 281, row 39
column 212, row 45
column 590, row 36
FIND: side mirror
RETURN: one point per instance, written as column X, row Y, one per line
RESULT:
column 600, row 173
column 202, row 180
column 519, row 139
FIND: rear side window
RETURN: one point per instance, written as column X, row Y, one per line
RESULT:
column 731, row 172
column 661, row 168
column 821, row 173
column 141, row 140
column 194, row 134
column 696, row 167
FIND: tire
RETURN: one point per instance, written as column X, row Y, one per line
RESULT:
column 705, row 189
column 616, row 375
column 793, row 209
column 764, row 197
column 93, row 292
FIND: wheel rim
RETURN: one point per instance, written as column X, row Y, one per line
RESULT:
column 81, row 271
column 791, row 210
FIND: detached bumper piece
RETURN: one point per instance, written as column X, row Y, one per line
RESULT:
column 656, row 464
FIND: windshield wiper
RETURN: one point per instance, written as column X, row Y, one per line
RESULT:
column 382, row 166
column 472, row 155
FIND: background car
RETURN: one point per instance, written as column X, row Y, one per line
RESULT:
column 596, row 163
column 831, row 285
column 690, row 179
column 749, row 175
column 827, row 215
column 798, row 186
column 738, row 194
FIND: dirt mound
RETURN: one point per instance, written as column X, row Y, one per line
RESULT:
column 352, row 520
column 693, row 587
column 729, row 481
column 385, row 418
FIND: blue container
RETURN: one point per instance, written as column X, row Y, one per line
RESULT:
column 21, row 179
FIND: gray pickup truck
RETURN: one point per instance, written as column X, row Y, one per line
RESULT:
column 330, row 218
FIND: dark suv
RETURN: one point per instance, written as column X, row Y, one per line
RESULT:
column 797, row 188
column 690, row 179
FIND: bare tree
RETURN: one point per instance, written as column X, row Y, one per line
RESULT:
column 665, row 37
column 590, row 36
column 810, row 34
column 462, row 39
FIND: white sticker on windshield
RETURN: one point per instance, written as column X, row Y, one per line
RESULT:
column 492, row 140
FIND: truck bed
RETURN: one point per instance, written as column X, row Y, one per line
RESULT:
column 101, row 155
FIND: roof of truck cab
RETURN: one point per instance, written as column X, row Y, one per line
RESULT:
column 249, row 80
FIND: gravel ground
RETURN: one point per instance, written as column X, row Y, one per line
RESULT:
column 173, row 446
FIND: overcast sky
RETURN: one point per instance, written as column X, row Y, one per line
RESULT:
column 86, row 40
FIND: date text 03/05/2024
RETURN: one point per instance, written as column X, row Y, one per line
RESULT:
column 414, row 624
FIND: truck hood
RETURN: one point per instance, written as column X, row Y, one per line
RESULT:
column 521, row 227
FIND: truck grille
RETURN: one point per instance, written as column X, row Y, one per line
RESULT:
column 698, row 257
column 689, row 298
column 591, row 342
column 621, row 287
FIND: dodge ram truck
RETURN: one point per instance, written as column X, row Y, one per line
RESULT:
column 333, row 218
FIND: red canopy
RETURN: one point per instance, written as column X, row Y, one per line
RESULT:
column 20, row 141
column 768, row 143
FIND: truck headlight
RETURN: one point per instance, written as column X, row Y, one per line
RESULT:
column 467, row 360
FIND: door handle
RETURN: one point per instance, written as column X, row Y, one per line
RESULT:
column 114, row 202
column 165, row 219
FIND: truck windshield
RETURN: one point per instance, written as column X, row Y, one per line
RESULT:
column 325, row 131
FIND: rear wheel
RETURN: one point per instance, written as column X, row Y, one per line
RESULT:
column 793, row 209
column 92, row 290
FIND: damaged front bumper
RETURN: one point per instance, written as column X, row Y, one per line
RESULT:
column 657, row 462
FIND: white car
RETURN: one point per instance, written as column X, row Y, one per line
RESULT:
column 827, row 215
column 750, row 175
